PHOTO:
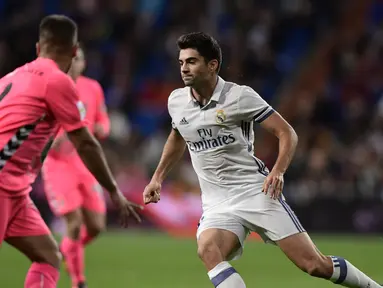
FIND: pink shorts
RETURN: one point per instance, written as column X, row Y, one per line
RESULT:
column 67, row 190
column 19, row 217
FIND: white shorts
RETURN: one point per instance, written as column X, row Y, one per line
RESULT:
column 272, row 219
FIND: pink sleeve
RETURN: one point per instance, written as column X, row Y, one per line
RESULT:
column 63, row 101
column 102, row 118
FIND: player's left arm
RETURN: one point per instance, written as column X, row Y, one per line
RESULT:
column 102, row 124
column 254, row 107
column 288, row 140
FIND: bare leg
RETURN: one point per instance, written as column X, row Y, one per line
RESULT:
column 214, row 248
column 300, row 249
column 95, row 223
column 71, row 247
column 45, row 256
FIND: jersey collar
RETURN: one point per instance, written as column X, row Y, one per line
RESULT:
column 216, row 94
column 48, row 62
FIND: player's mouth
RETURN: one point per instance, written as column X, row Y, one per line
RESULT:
column 188, row 77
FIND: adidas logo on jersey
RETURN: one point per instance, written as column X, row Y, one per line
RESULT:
column 183, row 121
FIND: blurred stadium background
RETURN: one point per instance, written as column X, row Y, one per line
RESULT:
column 318, row 62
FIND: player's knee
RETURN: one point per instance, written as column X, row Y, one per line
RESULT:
column 319, row 266
column 74, row 230
column 56, row 259
column 95, row 230
column 51, row 256
column 209, row 253
column 74, row 227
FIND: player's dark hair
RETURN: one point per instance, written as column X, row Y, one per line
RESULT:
column 206, row 46
column 58, row 32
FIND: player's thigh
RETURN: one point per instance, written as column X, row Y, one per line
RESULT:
column 272, row 219
column 41, row 249
column 28, row 233
column 301, row 250
column 222, row 231
column 62, row 191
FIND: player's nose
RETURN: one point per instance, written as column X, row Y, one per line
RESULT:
column 185, row 69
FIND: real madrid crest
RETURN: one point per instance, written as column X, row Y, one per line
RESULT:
column 220, row 117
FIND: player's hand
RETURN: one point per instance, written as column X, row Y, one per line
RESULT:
column 152, row 192
column 125, row 208
column 273, row 184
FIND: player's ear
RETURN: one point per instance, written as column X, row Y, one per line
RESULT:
column 37, row 49
column 74, row 50
column 213, row 65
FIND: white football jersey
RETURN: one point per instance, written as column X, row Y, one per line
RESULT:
column 220, row 139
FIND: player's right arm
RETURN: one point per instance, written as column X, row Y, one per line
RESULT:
column 68, row 110
column 173, row 150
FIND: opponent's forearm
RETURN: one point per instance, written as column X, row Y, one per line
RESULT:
column 288, row 141
column 94, row 159
column 173, row 151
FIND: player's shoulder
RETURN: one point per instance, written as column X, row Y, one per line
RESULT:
column 178, row 93
column 58, row 78
column 60, row 82
column 178, row 96
column 89, row 83
column 238, row 90
column 177, row 99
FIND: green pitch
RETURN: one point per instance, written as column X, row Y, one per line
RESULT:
column 157, row 261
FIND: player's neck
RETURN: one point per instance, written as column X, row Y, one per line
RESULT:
column 204, row 92
column 74, row 77
column 61, row 62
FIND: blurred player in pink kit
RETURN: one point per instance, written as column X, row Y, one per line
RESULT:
column 35, row 101
column 72, row 191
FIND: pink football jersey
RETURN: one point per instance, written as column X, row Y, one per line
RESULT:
column 36, row 99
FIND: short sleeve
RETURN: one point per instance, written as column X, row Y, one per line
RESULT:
column 253, row 107
column 64, row 103
column 171, row 110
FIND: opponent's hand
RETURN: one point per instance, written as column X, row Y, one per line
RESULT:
column 152, row 192
column 125, row 208
column 273, row 184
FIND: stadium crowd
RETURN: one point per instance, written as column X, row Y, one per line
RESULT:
column 130, row 48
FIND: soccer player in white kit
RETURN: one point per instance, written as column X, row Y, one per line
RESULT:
column 214, row 120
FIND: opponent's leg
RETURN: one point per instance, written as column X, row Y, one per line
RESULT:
column 302, row 252
column 93, row 219
column 72, row 248
column 45, row 256
column 93, row 210
column 29, row 234
column 214, row 249
column 94, row 224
